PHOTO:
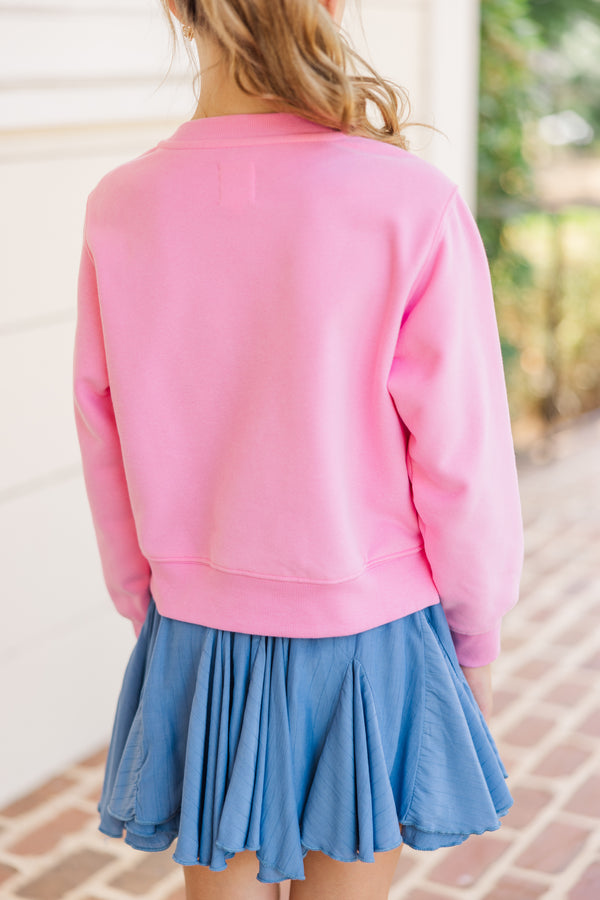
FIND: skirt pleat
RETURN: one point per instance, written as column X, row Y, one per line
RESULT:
column 226, row 741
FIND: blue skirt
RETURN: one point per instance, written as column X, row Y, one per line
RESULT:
column 230, row 741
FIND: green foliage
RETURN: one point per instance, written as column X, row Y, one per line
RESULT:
column 570, row 30
column 558, row 362
column 554, row 17
column 506, row 103
column 539, row 57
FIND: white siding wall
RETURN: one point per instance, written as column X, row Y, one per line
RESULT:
column 83, row 91
column 432, row 48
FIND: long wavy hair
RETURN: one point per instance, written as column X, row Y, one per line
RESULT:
column 293, row 53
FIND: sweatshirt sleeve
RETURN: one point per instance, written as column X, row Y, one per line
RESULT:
column 126, row 571
column 447, row 383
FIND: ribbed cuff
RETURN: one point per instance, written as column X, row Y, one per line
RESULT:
column 477, row 649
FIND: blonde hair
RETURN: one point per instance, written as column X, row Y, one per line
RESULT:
column 294, row 53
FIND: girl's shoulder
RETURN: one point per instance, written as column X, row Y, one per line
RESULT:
column 127, row 175
column 396, row 169
column 406, row 190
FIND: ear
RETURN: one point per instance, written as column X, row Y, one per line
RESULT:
column 174, row 9
column 335, row 8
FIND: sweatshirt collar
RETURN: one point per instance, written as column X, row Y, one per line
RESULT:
column 244, row 127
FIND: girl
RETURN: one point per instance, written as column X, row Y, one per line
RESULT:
column 296, row 444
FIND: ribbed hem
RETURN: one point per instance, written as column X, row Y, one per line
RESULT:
column 195, row 592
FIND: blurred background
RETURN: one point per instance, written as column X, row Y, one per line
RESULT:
column 538, row 203
column 514, row 85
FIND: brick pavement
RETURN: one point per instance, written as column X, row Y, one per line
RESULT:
column 546, row 723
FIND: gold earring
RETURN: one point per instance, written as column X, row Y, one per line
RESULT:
column 188, row 32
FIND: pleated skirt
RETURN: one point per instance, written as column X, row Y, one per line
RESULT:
column 226, row 741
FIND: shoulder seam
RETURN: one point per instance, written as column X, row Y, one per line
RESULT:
column 434, row 240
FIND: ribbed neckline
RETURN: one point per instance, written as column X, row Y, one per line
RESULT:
column 246, row 127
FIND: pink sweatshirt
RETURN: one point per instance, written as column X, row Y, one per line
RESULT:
column 288, row 388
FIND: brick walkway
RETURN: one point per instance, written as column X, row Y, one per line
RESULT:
column 546, row 723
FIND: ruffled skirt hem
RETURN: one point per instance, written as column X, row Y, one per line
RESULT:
column 226, row 742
